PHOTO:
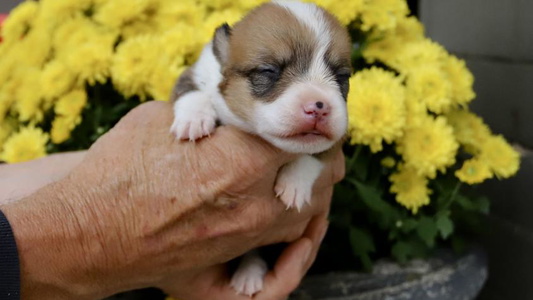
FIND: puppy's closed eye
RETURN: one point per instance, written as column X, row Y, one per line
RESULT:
column 263, row 78
column 342, row 77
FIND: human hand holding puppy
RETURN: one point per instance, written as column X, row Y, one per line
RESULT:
column 143, row 209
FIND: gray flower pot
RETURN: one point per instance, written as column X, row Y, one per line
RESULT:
column 445, row 276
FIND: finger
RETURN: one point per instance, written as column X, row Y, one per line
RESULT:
column 334, row 168
column 264, row 153
column 212, row 283
column 294, row 262
column 316, row 231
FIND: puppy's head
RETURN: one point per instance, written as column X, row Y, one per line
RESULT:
column 285, row 70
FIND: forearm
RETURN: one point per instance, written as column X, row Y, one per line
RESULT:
column 22, row 179
column 56, row 255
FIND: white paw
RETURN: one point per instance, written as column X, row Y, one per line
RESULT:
column 294, row 185
column 293, row 192
column 248, row 279
column 194, row 117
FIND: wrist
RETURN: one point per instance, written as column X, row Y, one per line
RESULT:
column 54, row 251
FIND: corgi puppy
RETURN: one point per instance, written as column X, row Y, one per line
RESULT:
column 281, row 73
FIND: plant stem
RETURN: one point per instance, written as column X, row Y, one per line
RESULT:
column 354, row 157
column 454, row 194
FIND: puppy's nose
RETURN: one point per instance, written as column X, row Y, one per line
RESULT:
column 317, row 109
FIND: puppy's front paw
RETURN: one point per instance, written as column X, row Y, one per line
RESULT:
column 194, row 117
column 294, row 185
column 248, row 279
column 294, row 192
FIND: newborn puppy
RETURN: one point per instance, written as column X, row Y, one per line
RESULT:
column 281, row 73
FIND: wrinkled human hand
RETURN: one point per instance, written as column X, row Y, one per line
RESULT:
column 213, row 282
column 142, row 207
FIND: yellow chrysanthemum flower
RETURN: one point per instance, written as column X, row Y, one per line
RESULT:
column 68, row 110
column 27, row 144
column 388, row 162
column 428, row 84
column 502, row 159
column 56, row 79
column 461, row 80
column 62, row 127
column 9, row 91
column 469, row 130
column 180, row 42
column 8, row 63
column 72, row 103
column 163, row 80
column 34, row 49
column 382, row 15
column 415, row 112
column 409, row 29
column 78, row 32
column 249, row 4
column 218, row 4
column 133, row 65
column 183, row 12
column 19, row 21
column 4, row 107
column 28, row 97
column 410, row 188
column 345, row 11
column 385, row 47
column 90, row 62
column 118, row 13
column 217, row 18
column 376, row 108
column 415, row 54
column 5, row 104
column 474, row 171
column 7, row 127
column 55, row 10
column 429, row 147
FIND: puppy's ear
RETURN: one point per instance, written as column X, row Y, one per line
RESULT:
column 221, row 43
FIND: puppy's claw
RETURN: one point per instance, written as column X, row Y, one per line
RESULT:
column 294, row 184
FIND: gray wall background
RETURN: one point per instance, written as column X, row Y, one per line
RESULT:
column 7, row 5
column 496, row 39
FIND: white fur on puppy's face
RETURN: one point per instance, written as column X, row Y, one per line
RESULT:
column 283, row 124
column 287, row 76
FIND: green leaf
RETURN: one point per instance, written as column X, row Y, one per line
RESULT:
column 386, row 213
column 408, row 225
column 362, row 245
column 341, row 219
column 445, row 225
column 402, row 251
column 483, row 205
column 427, row 231
column 360, row 167
column 465, row 202
column 344, row 195
column 357, row 164
column 479, row 204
